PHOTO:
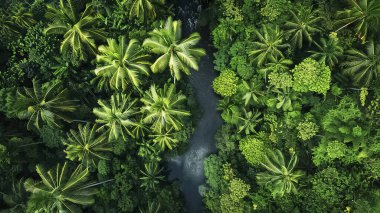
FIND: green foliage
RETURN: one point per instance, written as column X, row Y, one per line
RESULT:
column 116, row 116
column 123, row 64
column 285, row 99
column 363, row 95
column 363, row 67
column 40, row 105
column 280, row 80
column 311, row 76
column 179, row 55
column 249, row 121
column 329, row 51
column 303, row 26
column 268, row 45
column 144, row 9
column 330, row 188
column 59, row 190
column 251, row 92
column 35, row 49
column 165, row 139
column 307, row 130
column 274, row 9
column 79, row 29
column 239, row 189
column 51, row 137
column 86, row 146
column 280, row 178
column 17, row 199
column 226, row 83
column 253, row 150
column 364, row 14
column 342, row 122
column 345, row 136
column 163, row 108
column 150, row 176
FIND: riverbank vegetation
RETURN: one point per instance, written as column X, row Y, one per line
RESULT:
column 299, row 95
column 93, row 101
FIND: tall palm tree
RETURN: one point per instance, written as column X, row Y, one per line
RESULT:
column 87, row 145
column 279, row 176
column 43, row 105
column 79, row 30
column 302, row 26
column 144, row 9
column 179, row 55
column 16, row 200
column 248, row 122
column 163, row 108
column 152, row 207
column 364, row 14
column 328, row 51
column 21, row 17
column 268, row 45
column 164, row 139
column 364, row 67
column 116, row 116
column 7, row 26
column 140, row 128
column 251, row 92
column 123, row 63
column 59, row 190
column 151, row 176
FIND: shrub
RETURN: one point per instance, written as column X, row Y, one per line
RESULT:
column 226, row 84
column 306, row 130
column 311, row 76
column 253, row 150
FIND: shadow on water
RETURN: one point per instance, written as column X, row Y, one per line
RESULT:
column 188, row 167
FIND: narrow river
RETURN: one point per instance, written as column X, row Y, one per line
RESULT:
column 188, row 168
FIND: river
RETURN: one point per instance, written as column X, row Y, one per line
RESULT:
column 188, row 167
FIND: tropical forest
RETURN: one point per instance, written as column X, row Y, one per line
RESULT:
column 199, row 106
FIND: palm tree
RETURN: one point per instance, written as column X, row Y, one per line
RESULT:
column 285, row 96
column 21, row 17
column 364, row 14
column 364, row 67
column 79, row 30
column 249, row 122
column 251, row 92
column 7, row 26
column 176, row 54
column 163, row 108
column 60, row 191
column 328, row 51
column 144, row 9
column 43, row 105
column 86, row 145
column 302, row 26
column 115, row 116
column 280, row 178
column 16, row 200
column 276, row 65
column 139, row 129
column 152, row 207
column 150, row 176
column 123, row 63
column 164, row 139
column 268, row 45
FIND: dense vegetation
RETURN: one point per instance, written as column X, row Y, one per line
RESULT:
column 300, row 99
column 94, row 100
column 89, row 110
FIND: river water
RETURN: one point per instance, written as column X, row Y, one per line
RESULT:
column 188, row 167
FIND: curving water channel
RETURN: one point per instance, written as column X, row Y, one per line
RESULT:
column 188, row 167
